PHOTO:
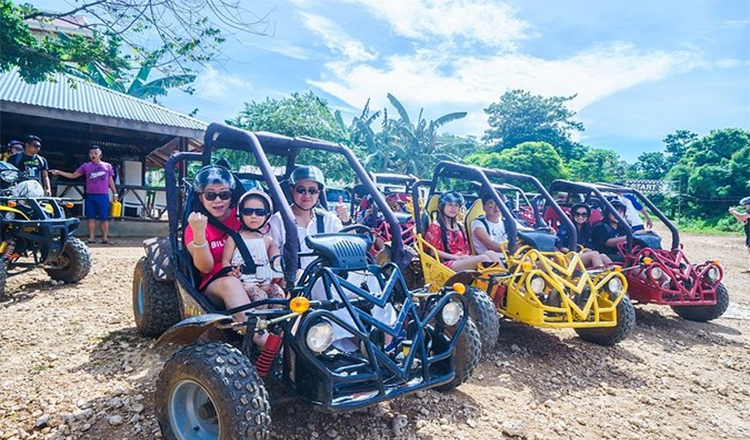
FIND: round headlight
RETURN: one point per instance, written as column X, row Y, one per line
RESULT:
column 614, row 285
column 320, row 337
column 452, row 313
column 713, row 273
column 657, row 273
column 537, row 285
column 9, row 176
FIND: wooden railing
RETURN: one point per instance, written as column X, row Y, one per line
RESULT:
column 139, row 202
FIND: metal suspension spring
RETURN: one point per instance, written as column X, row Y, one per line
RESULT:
column 7, row 248
column 263, row 364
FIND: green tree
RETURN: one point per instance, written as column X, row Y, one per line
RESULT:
column 677, row 143
column 598, row 165
column 538, row 159
column 417, row 149
column 652, row 165
column 300, row 115
column 185, row 32
column 521, row 117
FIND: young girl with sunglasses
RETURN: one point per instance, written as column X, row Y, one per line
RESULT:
column 449, row 238
column 580, row 214
column 254, row 209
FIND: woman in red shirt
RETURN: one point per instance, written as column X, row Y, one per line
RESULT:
column 449, row 238
column 205, row 242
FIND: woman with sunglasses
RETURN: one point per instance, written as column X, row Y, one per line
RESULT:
column 580, row 214
column 205, row 242
column 254, row 209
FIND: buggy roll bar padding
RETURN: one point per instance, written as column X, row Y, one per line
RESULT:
column 251, row 143
column 580, row 187
column 264, row 143
column 170, row 181
column 645, row 200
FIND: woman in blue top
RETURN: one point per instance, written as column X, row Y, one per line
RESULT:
column 580, row 213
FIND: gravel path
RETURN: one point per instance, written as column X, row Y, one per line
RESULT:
column 73, row 367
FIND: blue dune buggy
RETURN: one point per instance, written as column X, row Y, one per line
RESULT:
column 221, row 386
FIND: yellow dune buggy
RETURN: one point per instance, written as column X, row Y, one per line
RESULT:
column 537, row 285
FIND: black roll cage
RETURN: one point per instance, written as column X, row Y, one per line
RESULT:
column 260, row 145
column 448, row 169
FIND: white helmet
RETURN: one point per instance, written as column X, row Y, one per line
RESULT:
column 28, row 188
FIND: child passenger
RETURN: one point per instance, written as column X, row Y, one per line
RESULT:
column 488, row 232
column 449, row 238
column 254, row 210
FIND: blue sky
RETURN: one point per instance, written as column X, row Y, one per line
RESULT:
column 640, row 69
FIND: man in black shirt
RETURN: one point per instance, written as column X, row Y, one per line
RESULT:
column 32, row 163
column 608, row 233
column 744, row 218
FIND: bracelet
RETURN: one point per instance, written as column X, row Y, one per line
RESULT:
column 199, row 246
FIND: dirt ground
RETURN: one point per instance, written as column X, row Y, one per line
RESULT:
column 73, row 367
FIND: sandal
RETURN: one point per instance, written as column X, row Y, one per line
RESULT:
column 90, row 241
column 106, row 242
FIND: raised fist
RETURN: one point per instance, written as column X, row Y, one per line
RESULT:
column 198, row 223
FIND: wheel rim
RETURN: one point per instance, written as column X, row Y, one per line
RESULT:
column 192, row 413
column 140, row 301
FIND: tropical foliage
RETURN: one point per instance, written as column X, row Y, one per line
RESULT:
column 538, row 159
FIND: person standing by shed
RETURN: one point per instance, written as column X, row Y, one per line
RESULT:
column 99, row 179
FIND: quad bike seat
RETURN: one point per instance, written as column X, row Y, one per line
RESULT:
column 539, row 240
column 342, row 251
column 648, row 240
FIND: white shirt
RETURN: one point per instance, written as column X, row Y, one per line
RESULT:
column 331, row 223
column 496, row 233
column 631, row 214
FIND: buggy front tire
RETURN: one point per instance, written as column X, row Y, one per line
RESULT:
column 210, row 391
column 706, row 313
column 612, row 335
column 483, row 313
column 74, row 262
column 156, row 305
column 466, row 355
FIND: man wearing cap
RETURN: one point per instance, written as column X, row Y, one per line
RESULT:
column 31, row 163
column 99, row 180
column 307, row 184
column 744, row 218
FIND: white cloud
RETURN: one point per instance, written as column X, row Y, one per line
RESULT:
column 445, row 82
column 336, row 39
column 272, row 45
column 212, row 84
column 488, row 22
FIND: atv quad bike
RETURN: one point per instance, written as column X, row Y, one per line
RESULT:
column 35, row 233
column 538, row 285
column 364, row 340
column 656, row 275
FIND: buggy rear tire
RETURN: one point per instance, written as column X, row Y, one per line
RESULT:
column 76, row 262
column 210, row 391
column 156, row 305
column 612, row 335
column 706, row 313
column 483, row 313
column 466, row 355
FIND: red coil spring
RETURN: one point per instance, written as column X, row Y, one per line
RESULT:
column 263, row 364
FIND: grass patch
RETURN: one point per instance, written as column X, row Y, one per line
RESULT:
column 707, row 227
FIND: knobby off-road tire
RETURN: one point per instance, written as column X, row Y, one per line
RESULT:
column 156, row 304
column 3, row 276
column 209, row 390
column 483, row 313
column 612, row 335
column 77, row 262
column 706, row 313
column 468, row 351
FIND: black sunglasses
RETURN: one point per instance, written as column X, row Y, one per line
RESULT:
column 211, row 196
column 302, row 190
column 581, row 214
column 260, row 212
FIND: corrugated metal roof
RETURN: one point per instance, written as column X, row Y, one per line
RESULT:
column 89, row 98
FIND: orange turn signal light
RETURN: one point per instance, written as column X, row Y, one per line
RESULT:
column 526, row 266
column 459, row 288
column 69, row 205
column 12, row 204
column 617, row 268
column 299, row 304
column 647, row 260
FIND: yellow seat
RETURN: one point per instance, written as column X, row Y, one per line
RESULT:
column 476, row 210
